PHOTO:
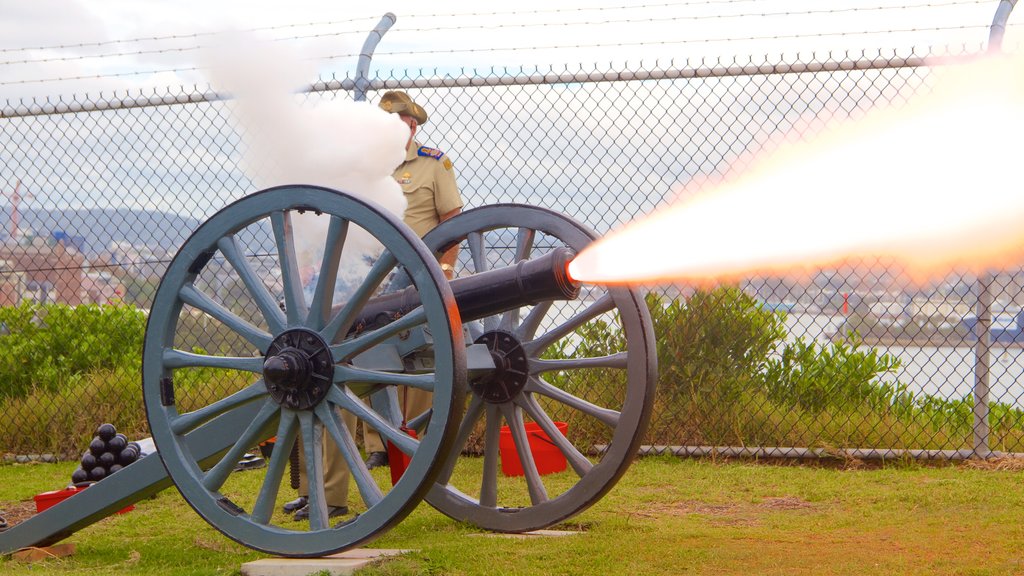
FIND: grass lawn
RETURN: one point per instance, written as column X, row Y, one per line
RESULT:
column 667, row 516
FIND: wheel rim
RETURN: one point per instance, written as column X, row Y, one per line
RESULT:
column 487, row 498
column 303, row 342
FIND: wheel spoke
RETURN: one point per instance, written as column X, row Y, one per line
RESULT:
column 350, row 348
column 475, row 241
column 524, row 243
column 617, row 360
column 344, row 374
column 189, row 421
column 272, row 313
column 342, row 438
column 320, row 306
column 534, row 484
column 217, row 475
column 255, row 336
column 489, row 480
column 342, row 321
column 509, row 320
column 538, row 385
column 420, row 421
column 580, row 463
column 524, row 248
column 349, row 401
column 469, row 420
column 528, row 329
column 287, row 430
column 600, row 306
column 284, row 236
column 181, row 359
column 312, row 446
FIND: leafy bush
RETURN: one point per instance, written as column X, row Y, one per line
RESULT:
column 48, row 346
column 713, row 345
column 813, row 377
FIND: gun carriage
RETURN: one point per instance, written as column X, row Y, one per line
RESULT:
column 497, row 345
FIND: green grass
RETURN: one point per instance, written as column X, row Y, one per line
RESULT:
column 667, row 516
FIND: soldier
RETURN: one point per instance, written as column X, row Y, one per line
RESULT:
column 427, row 179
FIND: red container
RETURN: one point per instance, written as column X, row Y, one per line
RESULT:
column 546, row 455
column 398, row 461
column 49, row 499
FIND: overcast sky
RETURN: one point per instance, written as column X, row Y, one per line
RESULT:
column 64, row 47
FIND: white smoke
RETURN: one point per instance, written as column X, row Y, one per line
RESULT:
column 348, row 146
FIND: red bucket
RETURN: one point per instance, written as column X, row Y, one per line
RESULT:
column 546, row 455
column 398, row 461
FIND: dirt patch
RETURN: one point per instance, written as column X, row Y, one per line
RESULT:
column 727, row 514
column 572, row 526
column 785, row 503
column 1008, row 464
column 17, row 512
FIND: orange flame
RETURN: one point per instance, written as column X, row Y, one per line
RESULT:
column 933, row 186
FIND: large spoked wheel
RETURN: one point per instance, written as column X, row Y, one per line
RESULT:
column 590, row 363
column 257, row 324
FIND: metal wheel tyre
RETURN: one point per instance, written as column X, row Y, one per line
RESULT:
column 548, row 374
column 237, row 310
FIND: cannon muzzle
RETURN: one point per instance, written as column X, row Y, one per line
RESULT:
column 485, row 294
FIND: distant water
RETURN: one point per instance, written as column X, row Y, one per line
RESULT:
column 945, row 371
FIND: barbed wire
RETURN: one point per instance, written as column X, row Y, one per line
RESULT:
column 520, row 25
column 660, row 42
column 534, row 48
column 837, row 10
column 178, row 36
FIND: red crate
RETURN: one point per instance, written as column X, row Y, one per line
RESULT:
column 48, row 499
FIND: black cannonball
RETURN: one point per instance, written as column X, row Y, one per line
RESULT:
column 116, row 444
column 136, row 445
column 106, row 431
column 107, row 459
column 122, row 437
column 89, row 461
column 98, row 473
column 97, row 446
column 128, row 455
column 79, row 476
column 115, row 468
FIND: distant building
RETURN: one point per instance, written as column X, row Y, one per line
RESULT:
column 52, row 273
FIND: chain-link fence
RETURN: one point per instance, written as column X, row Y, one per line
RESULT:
column 103, row 190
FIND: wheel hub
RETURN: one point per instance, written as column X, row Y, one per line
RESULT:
column 511, row 368
column 298, row 369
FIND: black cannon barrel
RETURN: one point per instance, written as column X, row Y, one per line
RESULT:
column 487, row 293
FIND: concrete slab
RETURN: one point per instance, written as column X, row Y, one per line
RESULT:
column 531, row 534
column 341, row 564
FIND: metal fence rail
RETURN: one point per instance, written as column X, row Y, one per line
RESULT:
column 111, row 185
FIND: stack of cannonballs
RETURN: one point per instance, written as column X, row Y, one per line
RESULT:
column 108, row 452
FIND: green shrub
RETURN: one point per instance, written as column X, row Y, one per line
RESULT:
column 727, row 375
column 49, row 346
column 814, row 376
column 714, row 344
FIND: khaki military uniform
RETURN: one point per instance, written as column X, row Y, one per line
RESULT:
column 427, row 179
column 428, row 182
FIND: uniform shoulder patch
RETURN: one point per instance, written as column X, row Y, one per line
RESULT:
column 431, row 152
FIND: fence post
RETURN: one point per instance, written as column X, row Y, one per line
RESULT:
column 983, row 308
column 982, row 359
column 998, row 27
column 366, row 54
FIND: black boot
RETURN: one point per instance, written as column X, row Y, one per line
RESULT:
column 294, row 505
column 376, row 459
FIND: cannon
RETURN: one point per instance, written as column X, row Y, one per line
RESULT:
column 500, row 344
